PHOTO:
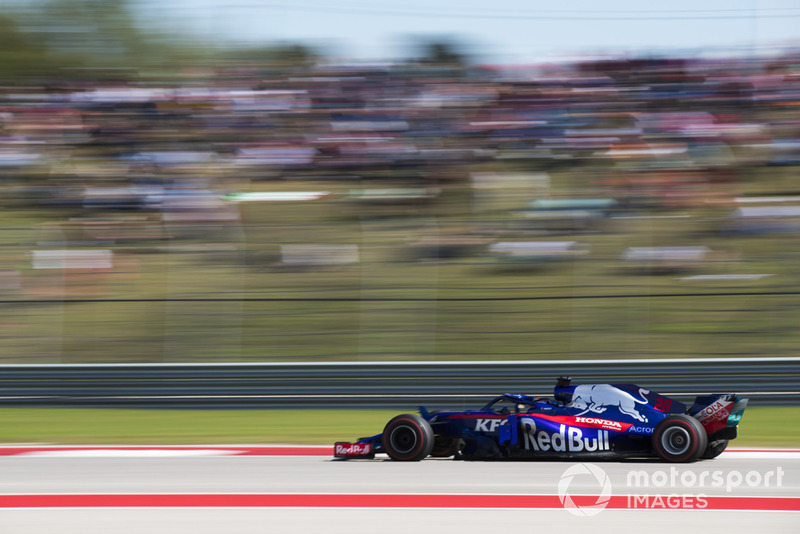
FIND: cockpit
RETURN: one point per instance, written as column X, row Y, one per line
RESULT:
column 509, row 403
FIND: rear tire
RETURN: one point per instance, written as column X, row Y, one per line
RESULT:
column 714, row 449
column 407, row 438
column 679, row 438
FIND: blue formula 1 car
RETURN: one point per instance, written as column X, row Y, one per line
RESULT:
column 579, row 421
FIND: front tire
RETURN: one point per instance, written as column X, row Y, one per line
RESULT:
column 407, row 438
column 679, row 438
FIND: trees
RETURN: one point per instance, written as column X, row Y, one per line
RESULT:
column 43, row 39
column 56, row 39
column 20, row 55
column 439, row 51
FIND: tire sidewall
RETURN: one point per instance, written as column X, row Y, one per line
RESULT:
column 698, row 441
column 422, row 432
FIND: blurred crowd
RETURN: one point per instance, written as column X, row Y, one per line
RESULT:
column 645, row 132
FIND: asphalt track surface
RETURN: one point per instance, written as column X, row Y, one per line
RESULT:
column 204, row 490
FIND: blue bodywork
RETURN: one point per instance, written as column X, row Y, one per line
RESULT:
column 598, row 421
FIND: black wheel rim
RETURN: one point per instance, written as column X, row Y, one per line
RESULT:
column 403, row 439
column 676, row 440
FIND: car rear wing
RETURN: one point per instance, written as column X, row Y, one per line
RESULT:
column 718, row 412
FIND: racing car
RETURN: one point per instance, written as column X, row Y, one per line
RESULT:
column 579, row 421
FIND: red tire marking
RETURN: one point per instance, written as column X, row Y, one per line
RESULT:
column 416, row 450
column 659, row 433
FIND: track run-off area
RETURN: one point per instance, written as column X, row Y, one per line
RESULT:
column 263, row 489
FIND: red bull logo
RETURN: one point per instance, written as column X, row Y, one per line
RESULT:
column 567, row 439
column 352, row 449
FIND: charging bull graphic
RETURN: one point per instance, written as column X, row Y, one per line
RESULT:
column 600, row 397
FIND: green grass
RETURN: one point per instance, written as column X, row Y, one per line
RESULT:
column 761, row 426
column 174, row 427
column 774, row 427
